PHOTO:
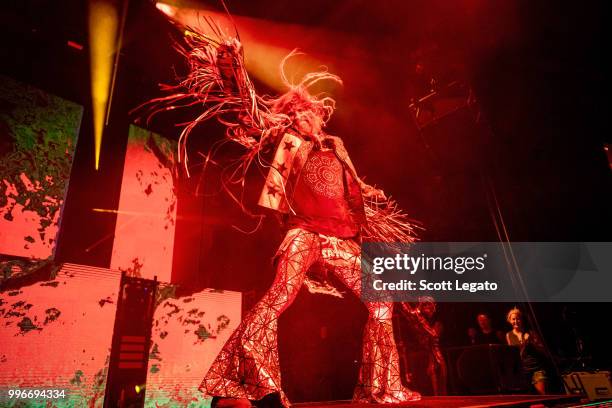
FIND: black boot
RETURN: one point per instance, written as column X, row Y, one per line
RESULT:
column 269, row 401
column 225, row 402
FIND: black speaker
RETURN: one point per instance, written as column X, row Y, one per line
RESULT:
column 127, row 371
column 596, row 385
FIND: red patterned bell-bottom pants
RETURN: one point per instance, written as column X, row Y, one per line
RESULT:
column 248, row 366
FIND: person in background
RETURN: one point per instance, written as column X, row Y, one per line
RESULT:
column 531, row 349
column 428, row 330
column 485, row 334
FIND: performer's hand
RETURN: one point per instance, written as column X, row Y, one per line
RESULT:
column 374, row 193
column 227, row 61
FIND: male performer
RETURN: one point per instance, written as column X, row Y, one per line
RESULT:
column 315, row 187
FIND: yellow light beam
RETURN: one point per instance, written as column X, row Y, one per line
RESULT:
column 136, row 213
column 103, row 18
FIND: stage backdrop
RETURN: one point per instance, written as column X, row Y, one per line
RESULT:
column 58, row 334
column 38, row 134
column 144, row 233
column 188, row 333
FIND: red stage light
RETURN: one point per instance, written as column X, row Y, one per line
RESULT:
column 74, row 45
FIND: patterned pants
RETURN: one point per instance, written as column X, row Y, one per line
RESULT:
column 248, row 366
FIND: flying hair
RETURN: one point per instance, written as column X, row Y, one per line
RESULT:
column 298, row 98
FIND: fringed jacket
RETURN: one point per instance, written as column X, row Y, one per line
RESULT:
column 289, row 160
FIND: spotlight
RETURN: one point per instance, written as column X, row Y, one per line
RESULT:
column 103, row 23
column 166, row 9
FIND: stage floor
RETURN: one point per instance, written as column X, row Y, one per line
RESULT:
column 479, row 401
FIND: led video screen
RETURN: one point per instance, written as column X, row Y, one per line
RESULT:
column 146, row 215
column 38, row 135
column 57, row 334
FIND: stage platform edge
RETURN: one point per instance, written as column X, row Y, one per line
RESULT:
column 473, row 401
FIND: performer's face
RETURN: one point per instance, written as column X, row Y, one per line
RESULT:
column 309, row 123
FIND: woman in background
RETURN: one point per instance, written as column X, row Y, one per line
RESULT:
column 531, row 349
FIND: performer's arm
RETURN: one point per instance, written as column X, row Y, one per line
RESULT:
column 367, row 190
column 235, row 83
